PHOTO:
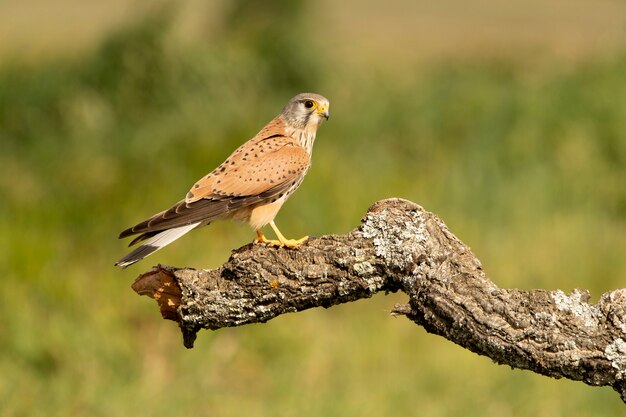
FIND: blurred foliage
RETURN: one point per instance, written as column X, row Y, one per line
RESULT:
column 526, row 167
column 279, row 38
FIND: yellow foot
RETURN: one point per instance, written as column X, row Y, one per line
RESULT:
column 292, row 243
column 281, row 242
column 260, row 238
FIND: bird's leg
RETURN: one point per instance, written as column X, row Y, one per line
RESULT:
column 282, row 241
column 260, row 238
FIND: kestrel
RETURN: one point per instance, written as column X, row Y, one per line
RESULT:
column 251, row 185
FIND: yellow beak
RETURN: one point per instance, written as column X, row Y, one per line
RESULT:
column 323, row 111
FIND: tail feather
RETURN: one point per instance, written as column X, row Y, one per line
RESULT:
column 143, row 237
column 154, row 243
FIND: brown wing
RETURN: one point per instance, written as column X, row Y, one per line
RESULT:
column 205, row 210
column 253, row 169
column 259, row 170
column 270, row 158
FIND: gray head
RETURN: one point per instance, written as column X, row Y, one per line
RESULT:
column 306, row 111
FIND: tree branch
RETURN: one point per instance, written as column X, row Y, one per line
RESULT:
column 400, row 246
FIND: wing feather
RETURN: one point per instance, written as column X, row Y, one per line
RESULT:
column 260, row 164
column 205, row 211
column 251, row 177
column 262, row 169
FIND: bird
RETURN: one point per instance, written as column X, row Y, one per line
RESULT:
column 251, row 185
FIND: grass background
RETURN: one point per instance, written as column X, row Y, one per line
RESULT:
column 508, row 122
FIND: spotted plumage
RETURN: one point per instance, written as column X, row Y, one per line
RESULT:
column 251, row 185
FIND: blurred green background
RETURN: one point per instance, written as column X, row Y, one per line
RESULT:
column 507, row 119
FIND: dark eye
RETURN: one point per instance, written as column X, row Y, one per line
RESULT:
column 308, row 104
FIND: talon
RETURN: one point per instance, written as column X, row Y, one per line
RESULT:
column 260, row 238
column 282, row 242
column 292, row 243
column 276, row 243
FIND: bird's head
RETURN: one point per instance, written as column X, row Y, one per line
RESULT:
column 306, row 111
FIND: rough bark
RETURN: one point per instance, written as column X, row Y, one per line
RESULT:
column 400, row 246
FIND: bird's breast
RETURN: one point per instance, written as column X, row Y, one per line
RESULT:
column 306, row 139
